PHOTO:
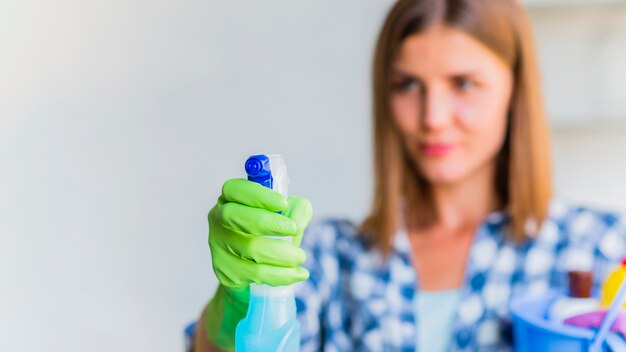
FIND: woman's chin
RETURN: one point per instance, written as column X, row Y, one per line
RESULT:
column 441, row 177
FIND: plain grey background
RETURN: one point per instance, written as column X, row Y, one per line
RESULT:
column 120, row 120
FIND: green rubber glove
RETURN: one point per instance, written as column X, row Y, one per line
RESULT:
column 245, row 213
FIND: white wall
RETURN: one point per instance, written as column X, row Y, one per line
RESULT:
column 119, row 121
column 590, row 167
column 582, row 53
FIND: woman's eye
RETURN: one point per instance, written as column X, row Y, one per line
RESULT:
column 408, row 85
column 463, row 84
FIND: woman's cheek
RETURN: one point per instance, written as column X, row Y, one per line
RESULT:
column 405, row 113
column 469, row 112
column 487, row 130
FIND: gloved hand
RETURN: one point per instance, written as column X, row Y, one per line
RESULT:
column 243, row 215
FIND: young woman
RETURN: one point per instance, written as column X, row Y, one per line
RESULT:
column 463, row 218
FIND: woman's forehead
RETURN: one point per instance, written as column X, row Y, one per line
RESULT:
column 443, row 50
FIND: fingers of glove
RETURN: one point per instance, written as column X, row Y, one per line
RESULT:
column 300, row 211
column 268, row 251
column 229, row 269
column 253, row 194
column 235, row 272
column 255, row 221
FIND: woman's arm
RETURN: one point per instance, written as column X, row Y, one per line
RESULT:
column 200, row 341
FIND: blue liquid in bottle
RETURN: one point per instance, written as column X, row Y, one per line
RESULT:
column 270, row 324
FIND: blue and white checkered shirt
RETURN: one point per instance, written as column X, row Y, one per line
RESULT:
column 355, row 300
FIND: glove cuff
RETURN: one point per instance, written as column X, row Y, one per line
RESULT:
column 227, row 307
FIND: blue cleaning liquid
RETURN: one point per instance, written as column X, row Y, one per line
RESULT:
column 270, row 324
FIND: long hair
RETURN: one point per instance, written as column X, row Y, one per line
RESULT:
column 523, row 172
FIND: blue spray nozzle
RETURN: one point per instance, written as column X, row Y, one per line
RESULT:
column 258, row 170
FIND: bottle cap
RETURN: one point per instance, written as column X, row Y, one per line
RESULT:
column 259, row 171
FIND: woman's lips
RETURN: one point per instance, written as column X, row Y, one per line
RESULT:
column 436, row 149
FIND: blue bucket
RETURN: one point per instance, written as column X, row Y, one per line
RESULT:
column 535, row 333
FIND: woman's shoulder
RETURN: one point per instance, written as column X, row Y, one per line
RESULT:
column 583, row 216
column 584, row 220
column 580, row 225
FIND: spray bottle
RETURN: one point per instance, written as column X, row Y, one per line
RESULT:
column 271, row 323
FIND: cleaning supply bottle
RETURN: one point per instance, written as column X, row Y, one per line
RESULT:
column 612, row 284
column 578, row 299
column 270, row 324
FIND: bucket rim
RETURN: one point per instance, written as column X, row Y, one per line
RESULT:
column 519, row 313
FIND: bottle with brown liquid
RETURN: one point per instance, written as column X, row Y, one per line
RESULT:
column 578, row 301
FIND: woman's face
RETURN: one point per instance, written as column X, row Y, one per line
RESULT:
column 450, row 100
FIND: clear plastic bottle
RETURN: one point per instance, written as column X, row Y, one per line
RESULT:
column 271, row 323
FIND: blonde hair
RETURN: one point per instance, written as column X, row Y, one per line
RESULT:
column 523, row 172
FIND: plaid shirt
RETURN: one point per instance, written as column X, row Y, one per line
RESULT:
column 355, row 300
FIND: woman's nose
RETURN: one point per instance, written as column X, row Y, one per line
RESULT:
column 436, row 112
